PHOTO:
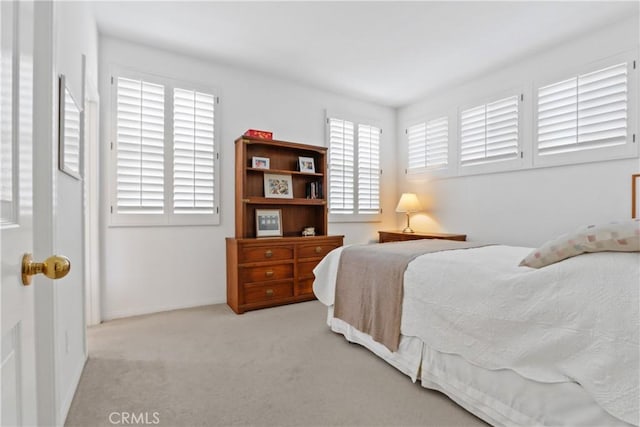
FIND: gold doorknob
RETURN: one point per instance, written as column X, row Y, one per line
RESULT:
column 54, row 267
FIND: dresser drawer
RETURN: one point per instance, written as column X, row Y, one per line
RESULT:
column 305, row 287
column 264, row 253
column 305, row 269
column 267, row 272
column 266, row 292
column 316, row 250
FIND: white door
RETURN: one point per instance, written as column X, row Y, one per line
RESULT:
column 16, row 195
column 17, row 365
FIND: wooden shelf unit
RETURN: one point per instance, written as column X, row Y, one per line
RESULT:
column 265, row 272
column 298, row 212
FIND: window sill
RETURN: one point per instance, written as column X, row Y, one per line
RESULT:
column 347, row 218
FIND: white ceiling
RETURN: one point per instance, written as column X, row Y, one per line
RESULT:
column 391, row 53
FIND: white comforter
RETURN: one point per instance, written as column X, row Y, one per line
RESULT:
column 576, row 320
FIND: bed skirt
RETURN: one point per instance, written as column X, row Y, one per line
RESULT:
column 501, row 397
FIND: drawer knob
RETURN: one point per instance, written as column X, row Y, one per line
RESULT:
column 268, row 273
column 269, row 292
column 318, row 249
column 268, row 253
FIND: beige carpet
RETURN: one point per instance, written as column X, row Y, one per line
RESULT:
column 276, row 367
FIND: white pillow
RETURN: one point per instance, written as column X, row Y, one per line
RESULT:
column 620, row 237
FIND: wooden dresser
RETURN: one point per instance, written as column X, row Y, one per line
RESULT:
column 399, row 236
column 273, row 271
column 269, row 271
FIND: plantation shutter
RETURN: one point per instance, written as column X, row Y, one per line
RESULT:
column 437, row 142
column 428, row 144
column 489, row 133
column 368, row 169
column 341, row 166
column 584, row 112
column 193, row 152
column 140, row 147
column 417, row 146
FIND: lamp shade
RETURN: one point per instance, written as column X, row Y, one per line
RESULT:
column 408, row 203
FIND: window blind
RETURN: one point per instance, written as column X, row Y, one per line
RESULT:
column 417, row 147
column 140, row 147
column 489, row 133
column 428, row 144
column 341, row 166
column 584, row 112
column 193, row 152
column 368, row 169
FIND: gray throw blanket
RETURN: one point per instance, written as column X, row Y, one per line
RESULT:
column 369, row 287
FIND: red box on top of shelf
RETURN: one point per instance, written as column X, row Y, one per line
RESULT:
column 263, row 134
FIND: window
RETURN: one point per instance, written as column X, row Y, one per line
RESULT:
column 368, row 169
column 584, row 113
column 140, row 147
column 193, row 152
column 489, row 133
column 354, row 168
column 428, row 145
column 164, row 154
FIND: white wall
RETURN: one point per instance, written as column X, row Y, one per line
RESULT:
column 75, row 34
column 524, row 207
column 147, row 269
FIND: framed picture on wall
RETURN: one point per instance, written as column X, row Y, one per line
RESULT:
column 268, row 222
column 278, row 186
column 635, row 195
column 69, row 132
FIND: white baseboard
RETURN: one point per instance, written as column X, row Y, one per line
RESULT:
column 75, row 381
column 138, row 311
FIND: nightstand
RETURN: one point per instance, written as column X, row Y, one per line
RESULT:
column 399, row 236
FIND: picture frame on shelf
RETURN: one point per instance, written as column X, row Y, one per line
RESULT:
column 278, row 186
column 306, row 164
column 268, row 222
column 260, row 162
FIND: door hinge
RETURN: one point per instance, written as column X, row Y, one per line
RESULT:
column 380, row 171
column 112, row 145
column 380, row 131
column 634, row 64
column 111, row 209
column 406, row 131
column 522, row 154
column 634, row 137
column 405, row 171
column 111, row 79
column 217, row 156
column 217, row 100
column 217, row 210
column 522, row 97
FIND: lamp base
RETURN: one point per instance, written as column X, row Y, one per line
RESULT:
column 408, row 228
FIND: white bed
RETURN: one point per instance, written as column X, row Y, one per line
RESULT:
column 516, row 346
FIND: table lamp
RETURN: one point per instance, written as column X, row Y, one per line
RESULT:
column 408, row 203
